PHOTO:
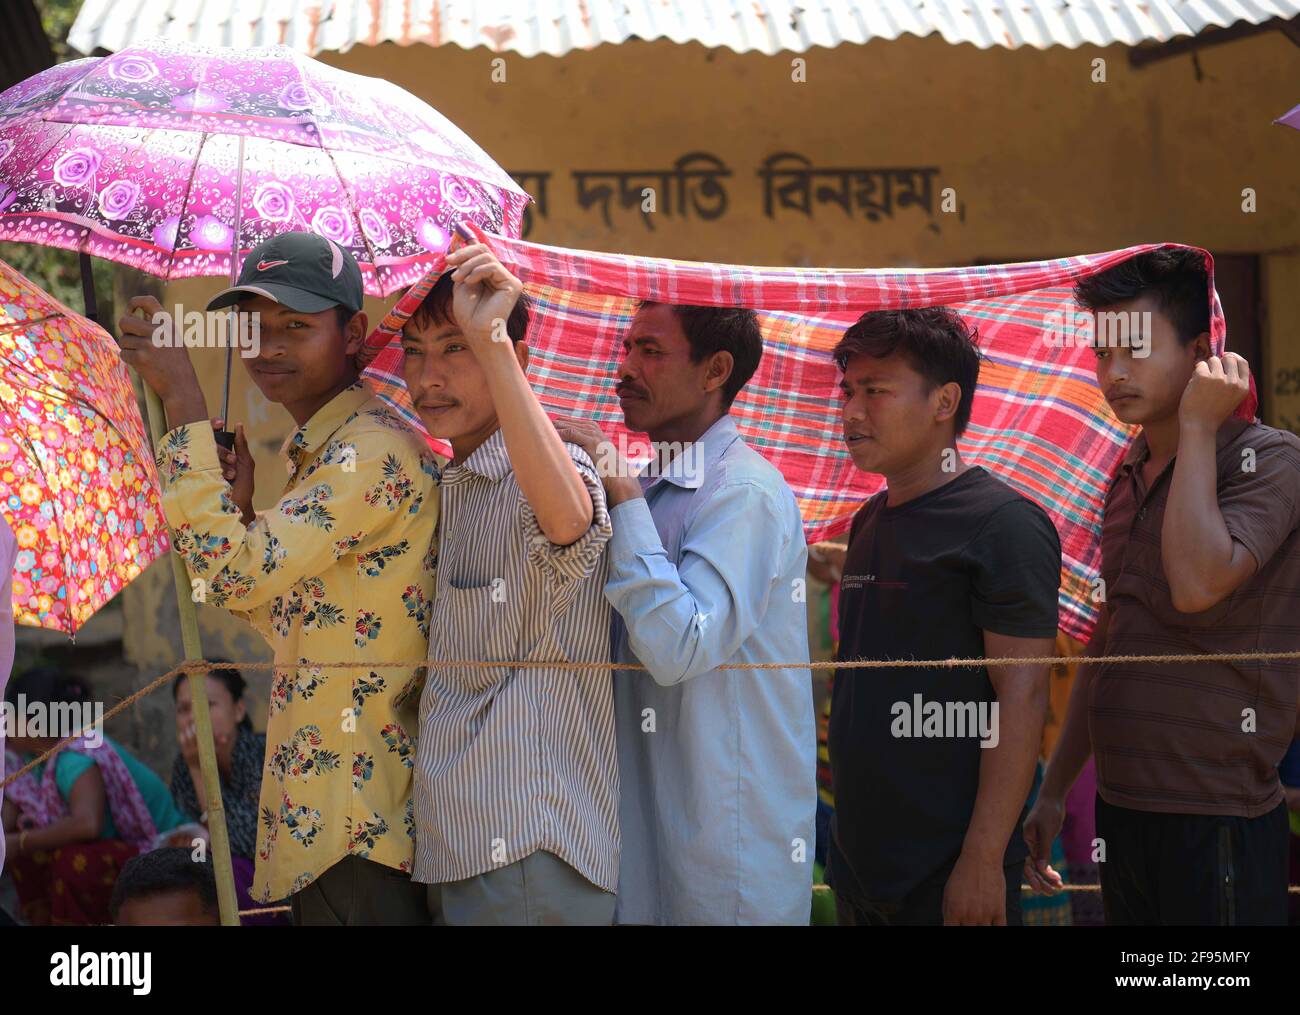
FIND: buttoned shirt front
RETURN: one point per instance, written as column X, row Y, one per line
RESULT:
column 340, row 570
column 515, row 760
column 716, row 767
column 1200, row 737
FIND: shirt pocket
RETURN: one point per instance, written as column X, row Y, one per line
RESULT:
column 480, row 624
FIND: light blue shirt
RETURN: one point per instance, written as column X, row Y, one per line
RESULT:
column 716, row 767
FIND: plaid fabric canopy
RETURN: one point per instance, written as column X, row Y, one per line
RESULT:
column 1038, row 422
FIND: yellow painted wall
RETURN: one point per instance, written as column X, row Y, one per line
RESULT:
column 1044, row 161
column 1281, row 288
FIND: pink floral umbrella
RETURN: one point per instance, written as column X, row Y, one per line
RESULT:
column 158, row 155
column 77, row 481
column 177, row 159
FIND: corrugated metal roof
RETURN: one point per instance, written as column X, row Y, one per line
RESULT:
column 554, row 27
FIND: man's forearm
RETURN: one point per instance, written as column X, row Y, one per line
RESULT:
column 547, row 477
column 67, row 830
column 1196, row 547
column 185, row 405
column 1007, row 770
column 1074, row 745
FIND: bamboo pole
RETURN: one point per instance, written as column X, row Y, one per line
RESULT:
column 226, row 901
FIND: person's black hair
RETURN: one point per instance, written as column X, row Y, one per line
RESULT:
column 436, row 308
column 934, row 340
column 49, row 685
column 721, row 329
column 230, row 677
column 1175, row 276
column 161, row 872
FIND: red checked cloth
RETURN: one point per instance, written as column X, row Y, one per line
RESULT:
column 1039, row 421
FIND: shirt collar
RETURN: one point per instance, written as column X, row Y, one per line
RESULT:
column 1139, row 452
column 488, row 460
column 304, row 441
column 687, row 469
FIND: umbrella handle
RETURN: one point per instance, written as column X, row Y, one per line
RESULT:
column 227, row 902
column 88, row 288
column 225, row 439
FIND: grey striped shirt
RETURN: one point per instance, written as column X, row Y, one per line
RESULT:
column 512, row 761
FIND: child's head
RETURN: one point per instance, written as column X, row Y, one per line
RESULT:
column 682, row 362
column 908, row 386
column 165, row 888
column 1151, row 327
column 306, row 292
column 446, row 383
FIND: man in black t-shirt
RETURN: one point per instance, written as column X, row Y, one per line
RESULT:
column 932, row 767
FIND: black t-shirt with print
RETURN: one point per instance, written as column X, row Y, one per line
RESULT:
column 925, row 580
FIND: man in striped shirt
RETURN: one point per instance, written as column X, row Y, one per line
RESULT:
column 516, row 780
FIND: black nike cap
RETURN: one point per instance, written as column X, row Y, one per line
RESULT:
column 305, row 272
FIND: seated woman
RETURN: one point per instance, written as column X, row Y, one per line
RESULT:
column 73, row 821
column 240, row 753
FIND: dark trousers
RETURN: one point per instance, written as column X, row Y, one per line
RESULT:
column 1192, row 869
column 923, row 906
column 360, row 893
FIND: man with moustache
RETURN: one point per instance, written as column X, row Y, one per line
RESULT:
column 516, row 777
column 716, row 766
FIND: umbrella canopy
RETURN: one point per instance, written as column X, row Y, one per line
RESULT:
column 1291, row 119
column 136, row 157
column 77, row 481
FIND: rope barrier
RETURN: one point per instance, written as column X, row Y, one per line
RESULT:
column 861, row 664
column 120, row 707
column 563, row 664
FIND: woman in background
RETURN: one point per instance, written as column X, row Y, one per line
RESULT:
column 240, row 753
column 72, row 822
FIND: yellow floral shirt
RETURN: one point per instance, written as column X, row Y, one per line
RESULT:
column 340, row 569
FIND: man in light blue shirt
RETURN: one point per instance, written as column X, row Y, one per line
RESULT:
column 706, row 565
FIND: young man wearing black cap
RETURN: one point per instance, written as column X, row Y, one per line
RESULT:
column 339, row 570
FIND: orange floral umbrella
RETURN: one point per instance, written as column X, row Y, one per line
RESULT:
column 77, row 480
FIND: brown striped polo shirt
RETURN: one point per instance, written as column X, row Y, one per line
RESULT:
column 1170, row 737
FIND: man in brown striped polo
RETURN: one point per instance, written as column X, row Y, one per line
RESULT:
column 1200, row 555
